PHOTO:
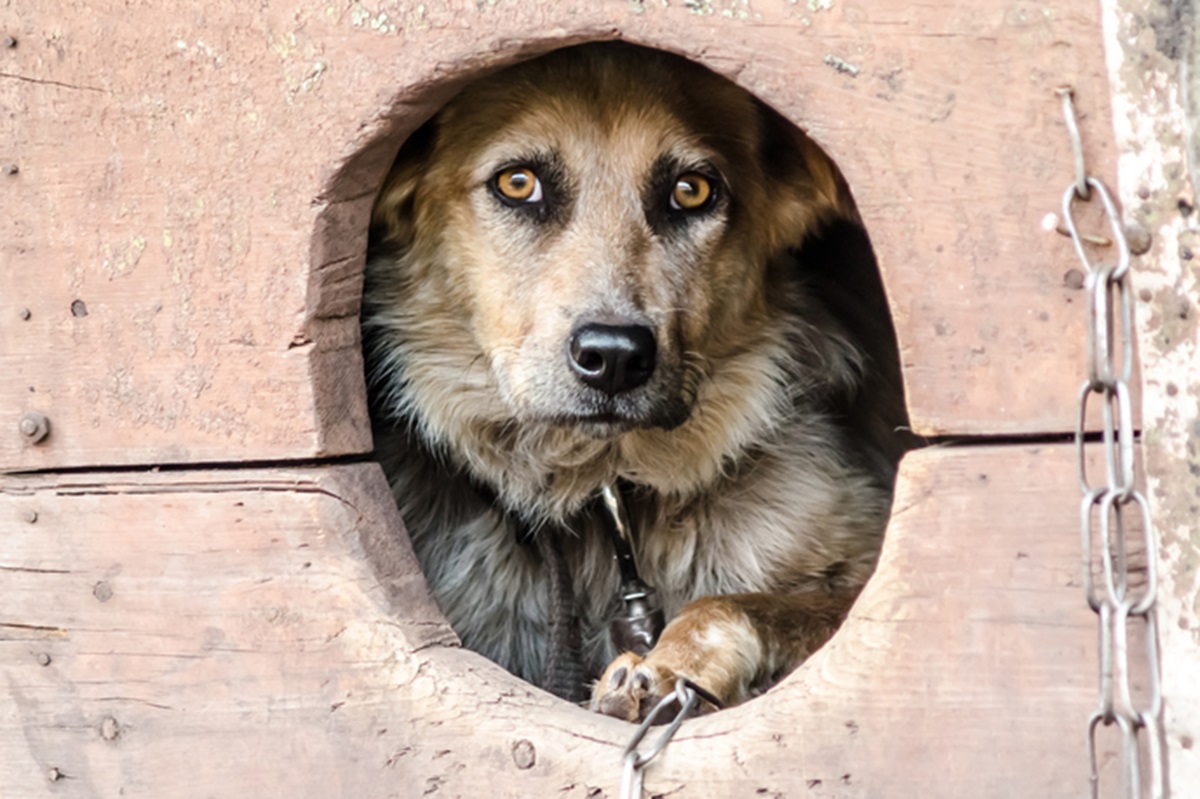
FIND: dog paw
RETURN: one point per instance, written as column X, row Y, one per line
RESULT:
column 730, row 646
column 622, row 688
column 633, row 686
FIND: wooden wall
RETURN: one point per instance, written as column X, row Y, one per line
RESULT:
column 181, row 249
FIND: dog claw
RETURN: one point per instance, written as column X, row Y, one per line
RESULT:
column 632, row 686
column 615, row 692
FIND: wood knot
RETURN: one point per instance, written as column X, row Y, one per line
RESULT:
column 110, row 730
column 524, row 754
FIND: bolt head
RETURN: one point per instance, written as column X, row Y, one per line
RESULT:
column 34, row 427
column 1074, row 279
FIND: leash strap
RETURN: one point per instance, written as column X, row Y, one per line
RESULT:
column 563, row 674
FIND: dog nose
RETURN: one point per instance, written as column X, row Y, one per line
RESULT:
column 612, row 358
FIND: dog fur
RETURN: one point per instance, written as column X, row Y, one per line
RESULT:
column 757, row 499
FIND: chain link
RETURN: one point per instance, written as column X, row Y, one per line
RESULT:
column 686, row 694
column 1107, row 511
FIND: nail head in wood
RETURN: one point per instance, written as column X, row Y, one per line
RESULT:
column 1138, row 238
column 1074, row 279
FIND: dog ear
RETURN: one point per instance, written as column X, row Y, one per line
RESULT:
column 807, row 190
column 393, row 219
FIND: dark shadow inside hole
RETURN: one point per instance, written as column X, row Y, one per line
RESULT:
column 503, row 562
column 838, row 263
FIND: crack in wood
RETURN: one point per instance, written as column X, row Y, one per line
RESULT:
column 112, row 653
column 326, row 203
column 37, row 628
column 48, row 82
column 338, row 261
column 135, row 489
column 134, row 699
column 584, row 737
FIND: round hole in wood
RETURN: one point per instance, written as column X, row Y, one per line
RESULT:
column 755, row 457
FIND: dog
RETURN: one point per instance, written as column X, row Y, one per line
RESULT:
column 583, row 272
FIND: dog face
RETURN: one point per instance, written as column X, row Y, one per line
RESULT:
column 586, row 244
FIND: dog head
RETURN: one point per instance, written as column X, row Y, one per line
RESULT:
column 585, row 244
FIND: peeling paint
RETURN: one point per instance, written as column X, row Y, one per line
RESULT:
column 379, row 21
column 738, row 9
column 1148, row 50
column 636, row 6
column 309, row 82
column 122, row 257
column 393, row 22
column 841, row 65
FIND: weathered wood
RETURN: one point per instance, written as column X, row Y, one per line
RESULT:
column 223, row 633
column 200, row 186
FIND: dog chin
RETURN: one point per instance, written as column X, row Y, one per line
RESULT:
column 601, row 429
column 606, row 426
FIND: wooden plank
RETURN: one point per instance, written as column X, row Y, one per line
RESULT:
column 200, row 187
column 217, row 633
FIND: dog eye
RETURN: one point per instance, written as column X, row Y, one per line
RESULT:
column 518, row 184
column 692, row 192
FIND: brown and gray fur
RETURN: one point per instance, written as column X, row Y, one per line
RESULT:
column 744, row 480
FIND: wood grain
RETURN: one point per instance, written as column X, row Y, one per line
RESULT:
column 180, row 267
column 199, row 184
column 266, row 632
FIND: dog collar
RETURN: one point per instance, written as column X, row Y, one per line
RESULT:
column 641, row 621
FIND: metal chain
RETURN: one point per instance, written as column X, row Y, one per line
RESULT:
column 1108, row 511
column 687, row 696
